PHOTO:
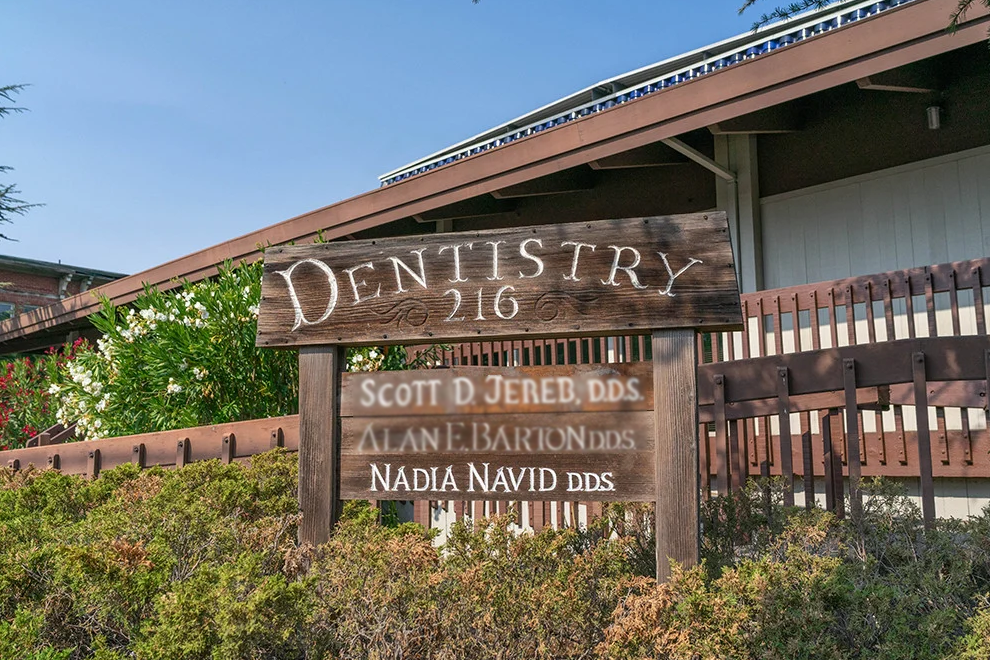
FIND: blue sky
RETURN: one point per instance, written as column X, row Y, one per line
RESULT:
column 160, row 128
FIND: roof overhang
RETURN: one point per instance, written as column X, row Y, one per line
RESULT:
column 896, row 37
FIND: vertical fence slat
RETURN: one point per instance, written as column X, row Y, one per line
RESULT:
column 852, row 439
column 981, row 321
column 924, row 439
column 784, row 419
column 721, row 460
column 808, row 461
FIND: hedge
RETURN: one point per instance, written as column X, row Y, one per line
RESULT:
column 202, row 563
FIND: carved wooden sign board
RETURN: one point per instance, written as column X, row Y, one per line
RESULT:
column 577, row 279
column 581, row 432
column 615, row 432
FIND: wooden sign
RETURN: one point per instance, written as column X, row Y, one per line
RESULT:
column 624, row 432
column 547, row 433
column 578, row 279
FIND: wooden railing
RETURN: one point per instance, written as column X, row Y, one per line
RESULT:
column 819, row 383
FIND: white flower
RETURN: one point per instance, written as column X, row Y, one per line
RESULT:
column 373, row 354
column 173, row 387
column 254, row 310
column 200, row 374
column 97, row 423
column 54, row 389
column 358, row 358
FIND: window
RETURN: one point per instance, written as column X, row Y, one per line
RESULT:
column 6, row 310
column 28, row 308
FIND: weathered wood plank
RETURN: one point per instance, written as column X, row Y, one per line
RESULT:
column 491, row 390
column 319, row 433
column 676, row 419
column 499, row 456
column 577, row 279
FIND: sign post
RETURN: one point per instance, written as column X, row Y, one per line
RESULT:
column 594, row 432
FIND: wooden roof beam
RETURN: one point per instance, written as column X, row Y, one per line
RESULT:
column 652, row 155
column 781, row 118
column 568, row 181
column 916, row 78
column 699, row 158
column 476, row 207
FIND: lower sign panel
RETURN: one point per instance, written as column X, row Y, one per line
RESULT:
column 560, row 457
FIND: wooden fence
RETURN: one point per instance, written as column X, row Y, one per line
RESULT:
column 825, row 380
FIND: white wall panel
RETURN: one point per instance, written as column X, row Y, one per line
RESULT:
column 920, row 214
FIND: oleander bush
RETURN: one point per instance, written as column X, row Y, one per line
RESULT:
column 202, row 562
column 178, row 359
column 174, row 359
column 26, row 404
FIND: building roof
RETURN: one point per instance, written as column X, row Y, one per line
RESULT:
column 648, row 80
column 22, row 265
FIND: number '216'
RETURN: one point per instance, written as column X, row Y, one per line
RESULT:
column 497, row 306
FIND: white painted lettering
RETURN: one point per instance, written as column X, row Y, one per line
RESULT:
column 355, row 284
column 420, row 278
column 526, row 254
column 457, row 260
column 672, row 275
column 301, row 320
column 628, row 270
column 577, row 252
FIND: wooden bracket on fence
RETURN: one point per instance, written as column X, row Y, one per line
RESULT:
column 182, row 453
column 14, row 464
column 852, row 439
column 227, row 448
column 786, row 451
column 278, row 438
column 93, row 463
column 924, row 439
column 44, row 438
column 54, row 461
column 138, row 455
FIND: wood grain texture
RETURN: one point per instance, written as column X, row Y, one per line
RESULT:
column 319, row 441
column 491, row 390
column 631, row 473
column 676, row 419
column 618, row 443
column 577, row 279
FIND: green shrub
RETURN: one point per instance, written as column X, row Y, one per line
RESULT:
column 26, row 404
column 178, row 359
column 202, row 563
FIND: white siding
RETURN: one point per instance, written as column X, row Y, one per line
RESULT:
column 920, row 214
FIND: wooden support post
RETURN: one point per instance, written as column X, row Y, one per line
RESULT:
column 852, row 439
column 676, row 420
column 924, row 439
column 320, row 368
column 277, row 438
column 784, row 417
